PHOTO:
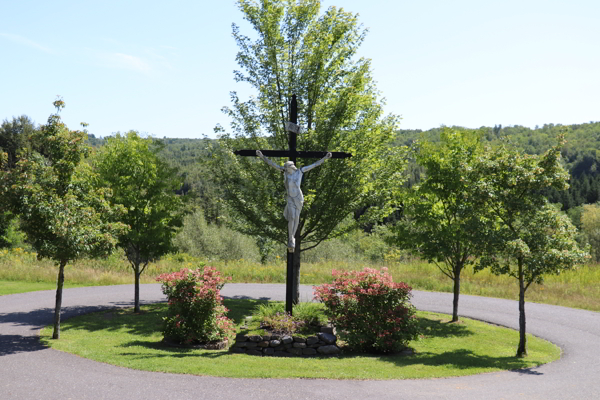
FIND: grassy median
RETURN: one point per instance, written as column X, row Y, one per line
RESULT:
column 122, row 338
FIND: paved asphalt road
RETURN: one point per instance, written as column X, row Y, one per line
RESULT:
column 31, row 371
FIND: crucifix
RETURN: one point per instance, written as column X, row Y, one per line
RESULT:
column 292, row 181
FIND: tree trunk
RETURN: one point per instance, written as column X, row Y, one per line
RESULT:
column 456, row 293
column 59, row 287
column 136, row 298
column 522, row 350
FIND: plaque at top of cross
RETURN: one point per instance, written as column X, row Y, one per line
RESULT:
column 293, row 130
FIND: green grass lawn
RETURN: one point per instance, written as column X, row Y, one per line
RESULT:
column 122, row 338
column 12, row 287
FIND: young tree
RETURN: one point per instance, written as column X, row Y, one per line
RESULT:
column 60, row 211
column 445, row 221
column 145, row 185
column 532, row 238
column 297, row 51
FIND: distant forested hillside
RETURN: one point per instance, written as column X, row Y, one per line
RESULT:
column 581, row 155
column 185, row 154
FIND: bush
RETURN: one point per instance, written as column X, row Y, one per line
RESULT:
column 370, row 312
column 196, row 313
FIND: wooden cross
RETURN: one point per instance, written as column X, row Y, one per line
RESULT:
column 292, row 154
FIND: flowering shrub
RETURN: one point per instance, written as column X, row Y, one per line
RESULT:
column 370, row 311
column 196, row 313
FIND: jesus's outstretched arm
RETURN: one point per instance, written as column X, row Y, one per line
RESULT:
column 271, row 163
column 311, row 166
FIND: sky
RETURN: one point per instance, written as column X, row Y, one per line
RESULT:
column 165, row 69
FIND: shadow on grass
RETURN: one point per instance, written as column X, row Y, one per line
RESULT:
column 149, row 321
column 240, row 297
column 27, row 340
column 431, row 328
column 456, row 359
column 460, row 359
column 239, row 309
column 146, row 323
column 164, row 351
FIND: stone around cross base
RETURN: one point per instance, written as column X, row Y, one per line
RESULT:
column 327, row 337
column 240, row 337
column 327, row 350
column 253, row 352
column 237, row 350
column 269, row 351
column 309, row 352
column 295, row 351
column 312, row 340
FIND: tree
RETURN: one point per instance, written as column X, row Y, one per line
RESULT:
column 60, row 211
column 145, row 186
column 445, row 221
column 532, row 238
column 15, row 140
column 296, row 51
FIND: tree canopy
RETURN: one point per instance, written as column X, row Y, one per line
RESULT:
column 531, row 237
column 298, row 51
column 60, row 211
column 145, row 185
column 444, row 220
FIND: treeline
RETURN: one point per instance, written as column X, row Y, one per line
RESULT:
column 581, row 157
column 581, row 154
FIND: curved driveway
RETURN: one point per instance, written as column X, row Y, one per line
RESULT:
column 31, row 371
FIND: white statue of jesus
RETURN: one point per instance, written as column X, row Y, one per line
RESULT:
column 292, row 178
